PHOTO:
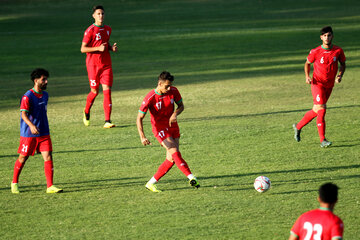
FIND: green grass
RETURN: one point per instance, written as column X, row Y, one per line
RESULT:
column 239, row 67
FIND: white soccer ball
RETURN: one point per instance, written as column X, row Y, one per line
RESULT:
column 262, row 184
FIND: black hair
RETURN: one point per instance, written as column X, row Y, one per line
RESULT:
column 326, row 30
column 328, row 193
column 38, row 72
column 98, row 7
column 166, row 76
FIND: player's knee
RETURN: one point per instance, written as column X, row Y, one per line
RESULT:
column 23, row 158
column 95, row 91
column 317, row 107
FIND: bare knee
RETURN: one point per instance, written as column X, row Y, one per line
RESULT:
column 95, row 91
column 318, row 107
column 22, row 158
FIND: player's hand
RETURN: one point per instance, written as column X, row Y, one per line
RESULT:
column 34, row 130
column 145, row 141
column 102, row 47
column 114, row 48
column 173, row 119
column 308, row 80
column 338, row 79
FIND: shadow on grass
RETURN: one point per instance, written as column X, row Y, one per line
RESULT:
column 258, row 114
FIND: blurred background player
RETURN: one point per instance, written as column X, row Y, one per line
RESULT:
column 325, row 59
column 34, row 130
column 320, row 223
column 161, row 104
column 98, row 63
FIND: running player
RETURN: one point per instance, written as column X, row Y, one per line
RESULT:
column 320, row 223
column 325, row 59
column 34, row 130
column 98, row 63
column 161, row 104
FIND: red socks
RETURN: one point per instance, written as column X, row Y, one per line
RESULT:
column 17, row 170
column 89, row 101
column 49, row 172
column 308, row 117
column 320, row 121
column 107, row 104
column 163, row 169
column 181, row 164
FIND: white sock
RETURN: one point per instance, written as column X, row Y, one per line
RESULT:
column 152, row 181
column 190, row 176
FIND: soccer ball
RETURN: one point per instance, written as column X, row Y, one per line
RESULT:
column 262, row 184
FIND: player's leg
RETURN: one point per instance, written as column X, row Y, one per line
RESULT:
column 94, row 82
column 320, row 108
column 309, row 115
column 26, row 148
column 106, row 80
column 45, row 148
column 172, row 147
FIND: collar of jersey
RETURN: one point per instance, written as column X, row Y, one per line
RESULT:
column 326, row 48
column 98, row 25
column 36, row 91
column 157, row 92
column 324, row 208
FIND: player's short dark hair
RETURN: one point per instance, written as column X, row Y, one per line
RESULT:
column 328, row 193
column 97, row 7
column 166, row 76
column 38, row 72
column 326, row 29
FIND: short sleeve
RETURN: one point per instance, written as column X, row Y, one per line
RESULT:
column 144, row 106
column 177, row 96
column 25, row 104
column 342, row 57
column 311, row 57
column 87, row 36
column 295, row 230
column 337, row 230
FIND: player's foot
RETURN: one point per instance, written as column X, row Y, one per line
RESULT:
column 86, row 119
column 194, row 183
column 297, row 133
column 325, row 143
column 109, row 125
column 53, row 189
column 15, row 188
column 152, row 187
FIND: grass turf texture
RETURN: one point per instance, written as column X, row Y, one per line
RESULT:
column 238, row 65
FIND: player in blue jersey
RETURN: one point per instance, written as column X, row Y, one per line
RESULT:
column 34, row 130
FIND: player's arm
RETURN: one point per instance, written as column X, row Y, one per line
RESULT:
column 341, row 72
column 34, row 130
column 139, row 124
column 85, row 49
column 178, row 111
column 307, row 68
column 293, row 237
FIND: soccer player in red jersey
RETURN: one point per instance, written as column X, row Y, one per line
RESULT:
column 321, row 223
column 325, row 59
column 98, row 63
column 161, row 104
column 34, row 130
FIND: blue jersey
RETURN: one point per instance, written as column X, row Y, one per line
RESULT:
column 35, row 105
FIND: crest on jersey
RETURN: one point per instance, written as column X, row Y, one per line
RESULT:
column 334, row 59
column 108, row 33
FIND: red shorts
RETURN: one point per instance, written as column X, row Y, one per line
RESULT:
column 320, row 94
column 99, row 75
column 163, row 132
column 28, row 145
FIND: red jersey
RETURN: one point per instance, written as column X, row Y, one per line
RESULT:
column 320, row 224
column 94, row 36
column 325, row 64
column 161, row 106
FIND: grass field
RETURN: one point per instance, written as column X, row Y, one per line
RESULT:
column 239, row 67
